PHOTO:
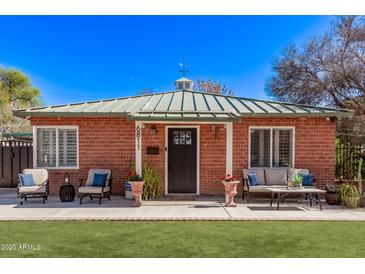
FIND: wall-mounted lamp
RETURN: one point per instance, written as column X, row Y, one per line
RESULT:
column 215, row 130
column 153, row 130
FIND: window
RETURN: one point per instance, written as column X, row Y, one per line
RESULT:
column 57, row 147
column 271, row 147
column 187, row 85
column 182, row 137
column 180, row 86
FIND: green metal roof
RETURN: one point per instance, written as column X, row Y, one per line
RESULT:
column 184, row 106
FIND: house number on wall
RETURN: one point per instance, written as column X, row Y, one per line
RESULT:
column 138, row 135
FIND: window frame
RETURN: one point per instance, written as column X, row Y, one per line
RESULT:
column 271, row 128
column 35, row 148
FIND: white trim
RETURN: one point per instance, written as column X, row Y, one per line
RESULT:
column 182, row 122
column 229, row 147
column 35, row 164
column 271, row 128
column 138, row 166
column 197, row 158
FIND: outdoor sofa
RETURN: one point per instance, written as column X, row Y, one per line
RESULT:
column 37, row 186
column 268, row 178
column 88, row 189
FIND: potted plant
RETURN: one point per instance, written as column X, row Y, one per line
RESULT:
column 230, row 188
column 296, row 181
column 349, row 195
column 331, row 194
column 127, row 184
column 137, row 183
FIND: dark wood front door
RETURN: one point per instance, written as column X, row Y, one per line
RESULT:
column 182, row 160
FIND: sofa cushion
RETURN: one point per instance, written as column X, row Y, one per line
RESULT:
column 275, row 176
column 26, row 179
column 307, row 179
column 252, row 179
column 260, row 175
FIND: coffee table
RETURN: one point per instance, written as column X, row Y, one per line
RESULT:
column 281, row 193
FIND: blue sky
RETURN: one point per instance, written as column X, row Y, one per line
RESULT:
column 79, row 58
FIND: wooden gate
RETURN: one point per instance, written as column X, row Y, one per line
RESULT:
column 14, row 157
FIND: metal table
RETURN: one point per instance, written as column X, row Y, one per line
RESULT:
column 281, row 193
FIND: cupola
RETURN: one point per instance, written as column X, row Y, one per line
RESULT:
column 184, row 84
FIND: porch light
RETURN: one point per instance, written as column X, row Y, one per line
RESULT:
column 153, row 130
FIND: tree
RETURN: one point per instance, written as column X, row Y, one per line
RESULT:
column 212, row 86
column 327, row 70
column 16, row 91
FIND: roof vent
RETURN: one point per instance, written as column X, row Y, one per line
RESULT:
column 184, row 84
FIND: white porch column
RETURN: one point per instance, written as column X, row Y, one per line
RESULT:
column 138, row 136
column 229, row 147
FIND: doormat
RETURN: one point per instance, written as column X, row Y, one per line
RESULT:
column 268, row 208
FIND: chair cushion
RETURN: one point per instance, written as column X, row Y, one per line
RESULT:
column 27, row 180
column 32, row 189
column 276, row 176
column 90, row 176
column 252, row 179
column 92, row 189
column 307, row 179
column 40, row 175
column 260, row 175
column 100, row 179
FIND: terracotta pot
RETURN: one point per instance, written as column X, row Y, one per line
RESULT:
column 137, row 190
column 331, row 198
column 230, row 189
column 352, row 202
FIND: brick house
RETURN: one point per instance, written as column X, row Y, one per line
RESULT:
column 192, row 138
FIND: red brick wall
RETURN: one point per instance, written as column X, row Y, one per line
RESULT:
column 212, row 159
column 109, row 143
column 103, row 143
column 314, row 144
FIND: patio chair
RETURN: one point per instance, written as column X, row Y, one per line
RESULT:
column 87, row 189
column 37, row 187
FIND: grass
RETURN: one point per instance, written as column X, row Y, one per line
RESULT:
column 184, row 239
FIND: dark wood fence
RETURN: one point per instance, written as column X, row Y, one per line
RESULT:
column 14, row 157
column 347, row 161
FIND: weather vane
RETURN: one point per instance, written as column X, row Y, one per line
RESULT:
column 183, row 66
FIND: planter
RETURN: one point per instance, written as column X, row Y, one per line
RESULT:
column 331, row 198
column 128, row 191
column 352, row 202
column 230, row 189
column 137, row 190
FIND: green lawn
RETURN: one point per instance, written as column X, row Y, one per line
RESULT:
column 184, row 239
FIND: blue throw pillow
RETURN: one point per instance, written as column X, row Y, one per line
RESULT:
column 100, row 179
column 252, row 179
column 307, row 179
column 27, row 179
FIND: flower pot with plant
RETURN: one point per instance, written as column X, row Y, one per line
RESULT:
column 137, row 183
column 296, row 181
column 331, row 194
column 349, row 195
column 230, row 183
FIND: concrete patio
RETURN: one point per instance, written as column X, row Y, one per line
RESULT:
column 201, row 208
